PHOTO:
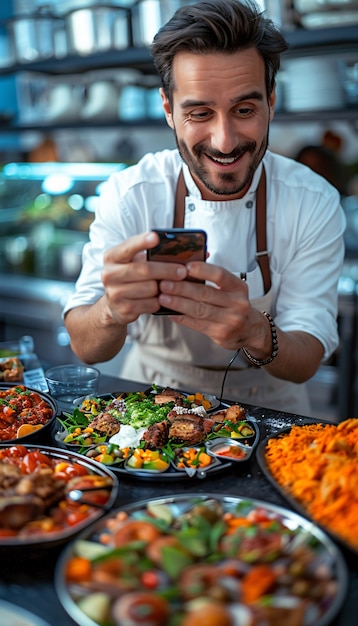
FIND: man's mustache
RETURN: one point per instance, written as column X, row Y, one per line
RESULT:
column 234, row 154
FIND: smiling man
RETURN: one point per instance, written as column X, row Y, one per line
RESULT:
column 275, row 230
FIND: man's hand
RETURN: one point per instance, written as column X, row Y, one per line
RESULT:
column 131, row 283
column 219, row 309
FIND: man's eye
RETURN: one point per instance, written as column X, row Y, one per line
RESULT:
column 198, row 115
column 244, row 111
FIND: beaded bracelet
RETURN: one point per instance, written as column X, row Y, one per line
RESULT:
column 274, row 352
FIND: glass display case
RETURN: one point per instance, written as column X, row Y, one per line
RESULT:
column 45, row 212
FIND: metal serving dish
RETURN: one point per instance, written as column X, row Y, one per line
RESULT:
column 227, row 449
column 68, row 467
column 198, row 472
column 119, row 464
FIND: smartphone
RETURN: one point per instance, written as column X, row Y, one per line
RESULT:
column 178, row 245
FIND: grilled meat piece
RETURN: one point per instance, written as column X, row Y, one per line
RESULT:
column 172, row 415
column 208, row 425
column 9, row 476
column 157, row 435
column 23, row 498
column 169, row 395
column 205, row 424
column 105, row 423
column 187, row 429
column 43, row 484
column 234, row 413
column 16, row 511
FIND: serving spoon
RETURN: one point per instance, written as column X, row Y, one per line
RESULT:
column 76, row 495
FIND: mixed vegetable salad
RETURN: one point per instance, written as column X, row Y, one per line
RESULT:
column 201, row 560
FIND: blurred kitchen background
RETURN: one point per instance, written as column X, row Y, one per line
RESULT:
column 79, row 99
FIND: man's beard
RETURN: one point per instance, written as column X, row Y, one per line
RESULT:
column 230, row 185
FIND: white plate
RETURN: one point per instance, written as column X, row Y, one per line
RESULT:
column 12, row 615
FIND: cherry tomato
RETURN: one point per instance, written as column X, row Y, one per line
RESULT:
column 150, row 579
column 80, row 469
column 32, row 460
column 74, row 517
column 71, row 471
column 17, row 451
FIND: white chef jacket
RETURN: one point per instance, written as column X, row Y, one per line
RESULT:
column 305, row 225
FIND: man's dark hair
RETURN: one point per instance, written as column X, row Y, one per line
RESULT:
column 217, row 26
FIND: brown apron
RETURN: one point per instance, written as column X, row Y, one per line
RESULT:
column 261, row 245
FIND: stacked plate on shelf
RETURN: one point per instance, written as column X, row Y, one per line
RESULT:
column 326, row 13
column 313, row 84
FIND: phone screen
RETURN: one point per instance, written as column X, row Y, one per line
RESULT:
column 178, row 245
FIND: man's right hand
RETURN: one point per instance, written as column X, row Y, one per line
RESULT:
column 130, row 282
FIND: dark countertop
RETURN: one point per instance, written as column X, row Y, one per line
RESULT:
column 27, row 579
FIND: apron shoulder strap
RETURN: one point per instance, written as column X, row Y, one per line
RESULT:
column 262, row 255
column 179, row 210
column 261, row 246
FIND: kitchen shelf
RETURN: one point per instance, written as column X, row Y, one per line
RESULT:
column 135, row 58
column 322, row 41
column 302, row 42
column 77, row 124
column 347, row 115
column 339, row 40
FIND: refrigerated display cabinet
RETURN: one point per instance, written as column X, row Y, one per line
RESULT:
column 45, row 213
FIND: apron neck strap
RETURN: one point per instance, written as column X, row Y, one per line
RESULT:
column 261, row 246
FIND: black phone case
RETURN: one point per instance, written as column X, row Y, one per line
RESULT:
column 178, row 245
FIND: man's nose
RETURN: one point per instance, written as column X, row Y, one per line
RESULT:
column 223, row 136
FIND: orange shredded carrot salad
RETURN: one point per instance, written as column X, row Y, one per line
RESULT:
column 317, row 464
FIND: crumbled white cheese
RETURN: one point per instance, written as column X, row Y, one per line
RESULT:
column 198, row 410
column 128, row 437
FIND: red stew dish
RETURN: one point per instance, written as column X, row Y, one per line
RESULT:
column 23, row 411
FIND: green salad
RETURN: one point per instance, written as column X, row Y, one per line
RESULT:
column 139, row 410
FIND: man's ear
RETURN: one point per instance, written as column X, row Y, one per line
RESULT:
column 272, row 103
column 167, row 108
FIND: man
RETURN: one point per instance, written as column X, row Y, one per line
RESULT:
column 218, row 61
